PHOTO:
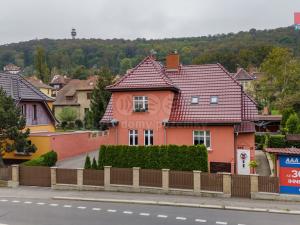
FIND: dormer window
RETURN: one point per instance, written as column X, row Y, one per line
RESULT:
column 195, row 100
column 140, row 103
column 214, row 100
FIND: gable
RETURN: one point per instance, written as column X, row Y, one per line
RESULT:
column 242, row 75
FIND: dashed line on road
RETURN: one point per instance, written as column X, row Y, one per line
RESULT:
column 67, row 206
column 96, row 209
column 81, row 207
column 144, row 214
column 40, row 203
column 162, row 216
column 180, row 218
column 53, row 205
column 3, row 200
column 200, row 221
column 27, row 202
column 111, row 210
column 127, row 212
column 15, row 201
column 221, row 222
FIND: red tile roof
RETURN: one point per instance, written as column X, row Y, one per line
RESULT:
column 284, row 151
column 149, row 74
column 203, row 81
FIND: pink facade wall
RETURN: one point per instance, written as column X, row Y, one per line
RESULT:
column 76, row 143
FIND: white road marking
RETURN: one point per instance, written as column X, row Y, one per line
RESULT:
column 96, row 209
column 111, row 210
column 180, row 218
column 241, row 224
column 53, row 204
column 67, row 206
column 162, row 216
column 127, row 212
column 3, row 224
column 144, row 214
column 222, row 223
column 200, row 221
column 41, row 203
column 81, row 207
column 27, row 202
column 3, row 200
column 15, row 201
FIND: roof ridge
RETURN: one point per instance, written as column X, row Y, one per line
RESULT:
column 228, row 74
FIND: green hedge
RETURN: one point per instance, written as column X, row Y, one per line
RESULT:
column 48, row 159
column 275, row 141
column 172, row 157
column 260, row 141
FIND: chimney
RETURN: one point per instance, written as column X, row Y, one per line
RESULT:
column 172, row 61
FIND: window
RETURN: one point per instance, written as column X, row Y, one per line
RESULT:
column 69, row 98
column 202, row 137
column 89, row 95
column 140, row 103
column 34, row 112
column 214, row 99
column 148, row 137
column 195, row 100
column 23, row 110
column 133, row 137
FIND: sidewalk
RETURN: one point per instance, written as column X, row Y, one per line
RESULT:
column 176, row 200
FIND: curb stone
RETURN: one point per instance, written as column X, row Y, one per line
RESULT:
column 176, row 204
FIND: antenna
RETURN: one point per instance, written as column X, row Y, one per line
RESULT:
column 73, row 33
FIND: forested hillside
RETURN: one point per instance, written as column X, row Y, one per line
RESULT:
column 77, row 57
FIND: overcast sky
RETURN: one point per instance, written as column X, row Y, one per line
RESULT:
column 22, row 20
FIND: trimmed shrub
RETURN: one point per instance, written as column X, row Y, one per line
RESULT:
column 276, row 141
column 78, row 124
column 87, row 163
column 186, row 158
column 94, row 164
column 48, row 159
column 64, row 125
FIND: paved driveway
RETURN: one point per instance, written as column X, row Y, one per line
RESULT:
column 77, row 161
column 263, row 168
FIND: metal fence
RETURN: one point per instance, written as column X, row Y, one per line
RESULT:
column 66, row 176
column 268, row 184
column 240, row 186
column 93, row 177
column 150, row 178
column 5, row 173
column 123, row 176
column 35, row 176
column 211, row 182
column 181, row 179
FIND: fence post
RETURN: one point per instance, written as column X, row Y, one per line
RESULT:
column 15, row 175
column 165, row 179
column 197, row 181
column 107, row 177
column 253, row 183
column 53, row 176
column 227, row 184
column 136, row 177
column 80, row 177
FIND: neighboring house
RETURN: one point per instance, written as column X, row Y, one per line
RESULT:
column 77, row 95
column 35, row 105
column 184, row 105
column 58, row 82
column 12, row 69
column 244, row 78
column 46, row 89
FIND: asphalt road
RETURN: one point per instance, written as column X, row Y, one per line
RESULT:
column 49, row 212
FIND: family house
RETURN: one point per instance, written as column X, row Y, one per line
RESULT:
column 244, row 78
column 39, row 84
column 156, row 104
column 75, row 94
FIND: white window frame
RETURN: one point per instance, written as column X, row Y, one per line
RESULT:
column 147, row 136
column 134, row 134
column 204, row 137
column 214, row 97
column 194, row 98
column 140, row 100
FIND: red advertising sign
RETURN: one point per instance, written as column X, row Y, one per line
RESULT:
column 297, row 18
column 290, row 176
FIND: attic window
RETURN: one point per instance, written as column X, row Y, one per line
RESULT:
column 214, row 100
column 195, row 100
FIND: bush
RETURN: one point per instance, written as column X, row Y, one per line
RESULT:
column 276, row 141
column 49, row 159
column 94, row 164
column 259, row 141
column 87, row 163
column 172, row 157
column 64, row 125
column 67, row 114
column 71, row 125
column 78, row 124
column 292, row 124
